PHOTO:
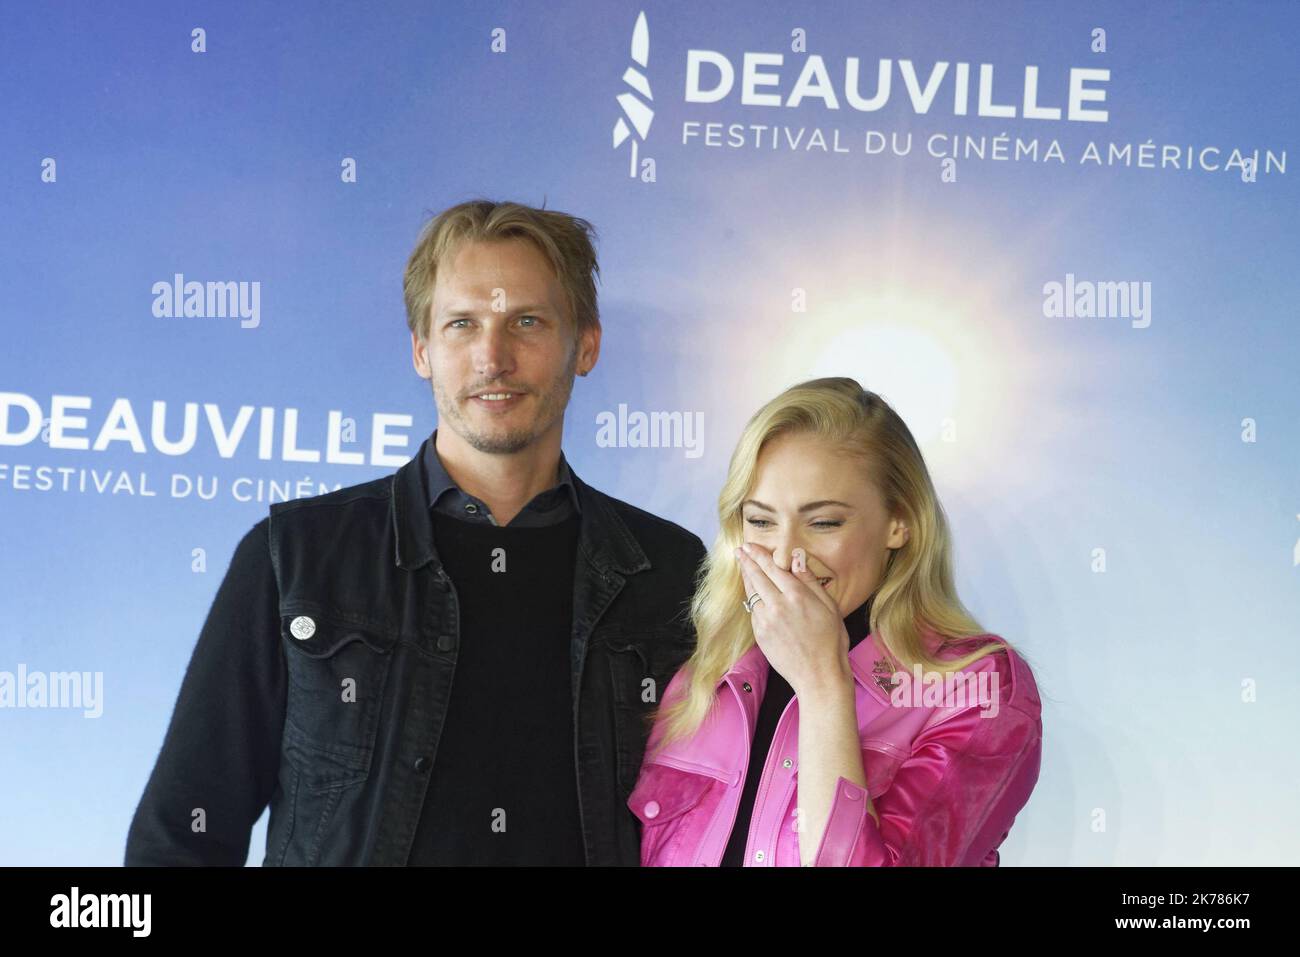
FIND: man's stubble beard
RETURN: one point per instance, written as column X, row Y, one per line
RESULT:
column 551, row 404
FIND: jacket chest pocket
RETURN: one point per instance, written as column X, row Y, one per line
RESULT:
column 641, row 663
column 661, row 800
column 337, row 671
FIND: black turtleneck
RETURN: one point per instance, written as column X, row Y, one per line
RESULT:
column 776, row 696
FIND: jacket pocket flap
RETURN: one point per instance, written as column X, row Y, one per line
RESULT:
column 319, row 635
column 658, row 646
column 663, row 793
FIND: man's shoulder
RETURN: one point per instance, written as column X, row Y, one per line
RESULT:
column 341, row 511
column 649, row 528
column 379, row 489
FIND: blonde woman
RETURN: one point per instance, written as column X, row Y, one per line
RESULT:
column 841, row 707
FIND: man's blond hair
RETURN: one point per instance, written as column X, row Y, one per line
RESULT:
column 566, row 241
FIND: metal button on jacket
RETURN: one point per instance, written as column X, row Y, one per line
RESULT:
column 302, row 627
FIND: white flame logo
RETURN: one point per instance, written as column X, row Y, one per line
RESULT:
column 634, row 109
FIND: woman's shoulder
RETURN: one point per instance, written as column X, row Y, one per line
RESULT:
column 1016, row 687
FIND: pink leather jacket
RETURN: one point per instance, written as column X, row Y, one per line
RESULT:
column 946, row 782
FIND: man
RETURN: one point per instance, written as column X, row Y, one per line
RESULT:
column 453, row 664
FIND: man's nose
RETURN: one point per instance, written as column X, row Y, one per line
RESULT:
column 492, row 353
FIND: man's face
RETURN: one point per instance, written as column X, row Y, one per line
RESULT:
column 501, row 350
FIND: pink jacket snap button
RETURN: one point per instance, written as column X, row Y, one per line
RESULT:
column 652, row 809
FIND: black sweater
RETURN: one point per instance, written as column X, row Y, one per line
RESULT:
column 504, row 784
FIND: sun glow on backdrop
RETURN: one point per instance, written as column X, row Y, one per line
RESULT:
column 881, row 344
column 943, row 324
column 922, row 354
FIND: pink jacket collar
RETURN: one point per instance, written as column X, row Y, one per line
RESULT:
column 718, row 748
column 713, row 750
column 863, row 658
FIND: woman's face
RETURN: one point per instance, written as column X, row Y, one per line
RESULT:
column 806, row 496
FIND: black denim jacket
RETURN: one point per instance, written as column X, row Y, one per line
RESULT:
column 349, row 585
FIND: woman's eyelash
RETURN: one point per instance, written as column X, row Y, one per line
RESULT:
column 760, row 522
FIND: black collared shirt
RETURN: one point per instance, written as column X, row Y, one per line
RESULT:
column 550, row 507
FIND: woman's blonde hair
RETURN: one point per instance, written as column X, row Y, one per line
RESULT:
column 915, row 602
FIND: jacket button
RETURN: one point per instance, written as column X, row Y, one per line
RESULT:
column 421, row 764
column 787, row 763
column 472, row 508
column 652, row 809
column 747, row 687
column 302, row 627
column 758, row 856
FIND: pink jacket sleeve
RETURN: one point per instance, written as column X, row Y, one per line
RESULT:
column 951, row 802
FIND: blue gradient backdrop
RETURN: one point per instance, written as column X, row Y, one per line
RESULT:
column 1048, row 438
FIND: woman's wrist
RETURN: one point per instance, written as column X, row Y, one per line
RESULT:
column 828, row 687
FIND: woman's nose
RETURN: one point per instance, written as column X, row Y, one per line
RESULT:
column 783, row 551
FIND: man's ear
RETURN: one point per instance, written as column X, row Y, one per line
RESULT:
column 420, row 357
column 588, row 349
